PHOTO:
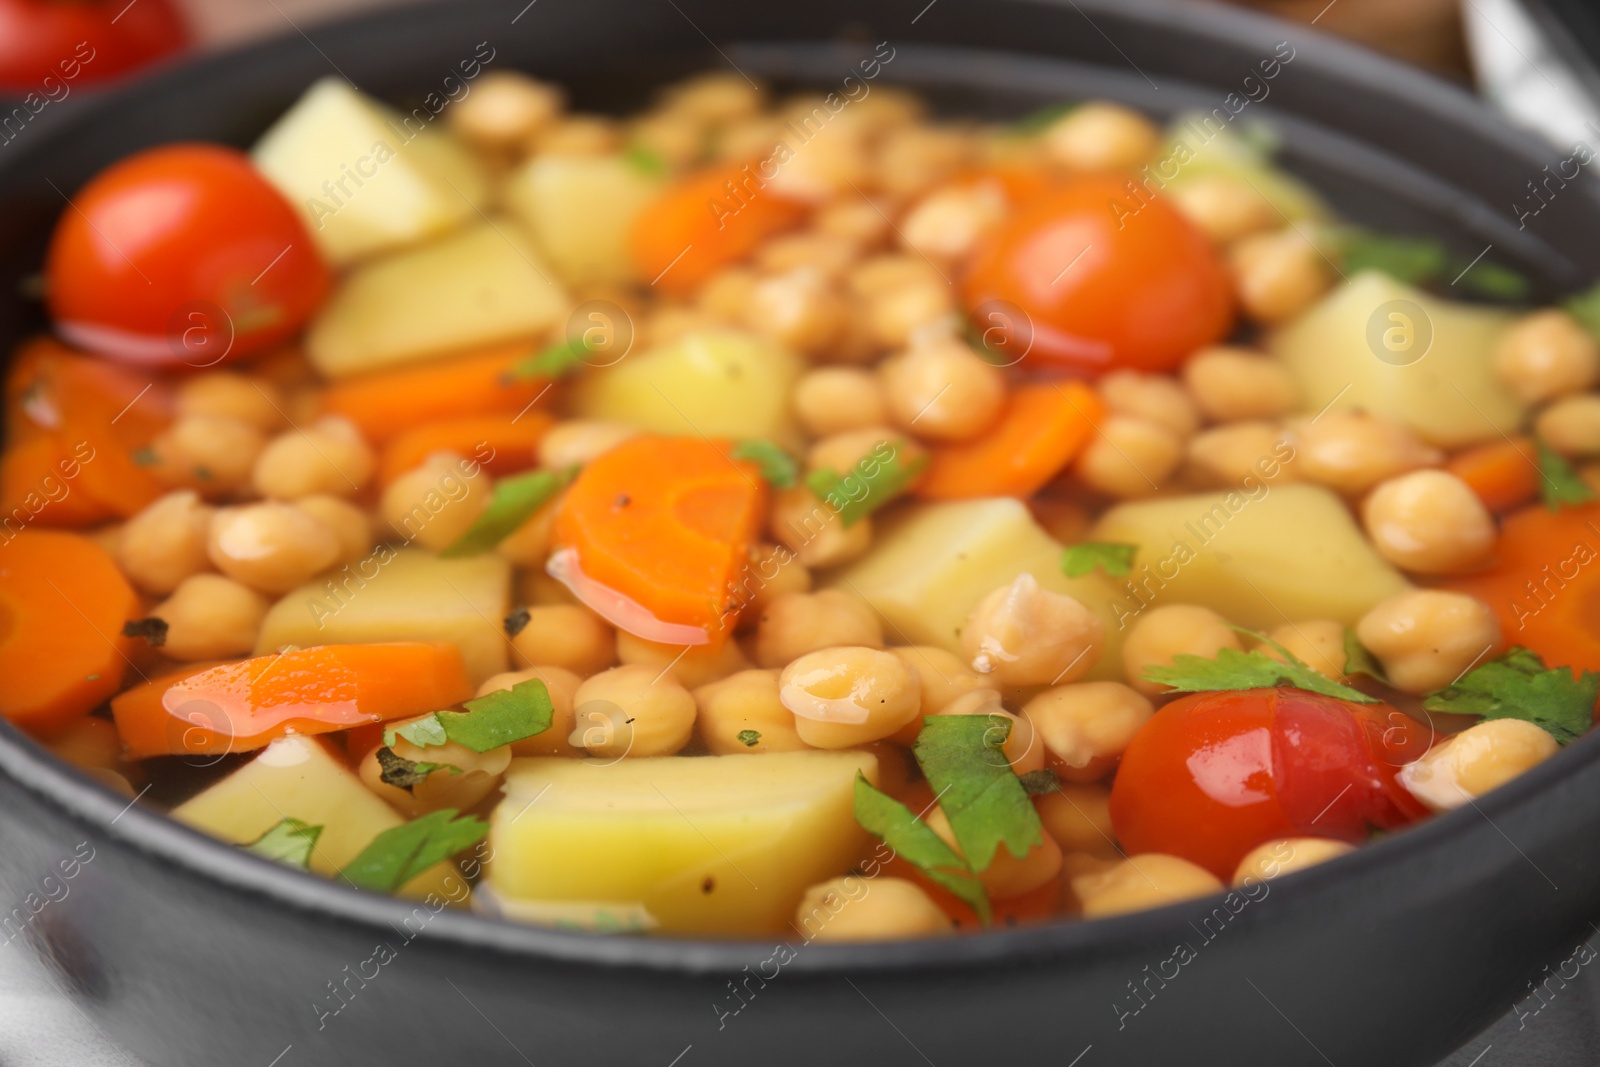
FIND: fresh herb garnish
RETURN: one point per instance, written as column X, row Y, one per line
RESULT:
column 870, row 484
column 1559, row 484
column 153, row 630
column 290, row 841
column 1112, row 557
column 554, row 363
column 1423, row 261
column 408, row 774
column 646, row 161
column 749, row 738
column 399, row 854
column 1040, row 782
column 492, row 720
column 1585, row 307
column 1038, row 121
column 915, row 842
column 778, row 468
column 1232, row 669
column 1517, row 685
column 514, row 499
column 1357, row 660
column 978, row 791
column 518, row 621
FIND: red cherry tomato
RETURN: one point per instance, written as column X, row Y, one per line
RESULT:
column 80, row 42
column 182, row 255
column 1101, row 286
column 1214, row 775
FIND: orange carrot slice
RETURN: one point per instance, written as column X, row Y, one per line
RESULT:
column 1042, row 428
column 38, row 485
column 237, row 707
column 62, row 605
column 387, row 404
column 501, row 445
column 1504, row 474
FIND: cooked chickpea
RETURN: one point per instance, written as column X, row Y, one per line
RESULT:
column 1086, row 727
column 860, row 219
column 1278, row 275
column 235, row 396
column 900, row 296
column 1076, row 865
column 774, row 571
column 692, row 666
column 831, row 400
column 351, row 525
column 887, row 107
column 1352, row 451
column 166, row 542
column 828, row 255
column 1129, row 457
column 1006, row 877
column 1231, row 454
column 798, row 623
column 567, row 636
column 1079, row 818
column 942, row 391
column 676, row 138
column 1147, row 881
column 800, row 309
column 814, row 531
column 578, row 135
column 505, row 110
column 912, row 159
column 1547, row 355
column 214, row 453
column 743, row 139
column 528, row 545
column 945, row 676
column 1571, row 425
column 562, row 685
column 847, row 696
column 948, row 223
column 211, row 617
column 1426, row 638
column 843, row 452
column 742, row 713
column 477, row 775
column 726, row 293
column 855, row 908
column 1233, row 384
column 1023, row 634
column 1473, row 762
column 271, row 546
column 1153, row 397
column 1429, row 522
column 1225, row 207
column 1101, row 136
column 715, row 97
column 437, row 502
column 574, row 442
column 327, row 457
column 1168, row 631
column 632, row 711
column 1285, row 856
column 1318, row 643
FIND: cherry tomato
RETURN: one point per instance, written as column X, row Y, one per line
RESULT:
column 1213, row 775
column 1104, row 285
column 182, row 255
column 80, row 42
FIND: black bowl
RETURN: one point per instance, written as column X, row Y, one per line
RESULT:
column 188, row 952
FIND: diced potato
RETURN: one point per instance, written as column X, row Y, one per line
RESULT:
column 703, row 844
column 1354, row 348
column 720, row 383
column 1284, row 553
column 366, row 178
column 409, row 595
column 929, row 567
column 580, row 209
column 297, row 778
column 1195, row 148
column 480, row 286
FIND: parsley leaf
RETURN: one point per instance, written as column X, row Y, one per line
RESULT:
column 1559, row 484
column 290, row 841
column 407, row 774
column 1493, row 280
column 514, row 499
column 400, row 853
column 492, row 720
column 1357, row 660
column 1232, row 669
column 1413, row 260
column 1114, row 558
column 1585, row 307
column 978, row 791
column 778, row 468
column 646, row 161
column 1039, row 120
column 749, row 738
column 870, row 484
column 914, row 841
column 1039, row 782
column 554, row 362
column 1517, row 685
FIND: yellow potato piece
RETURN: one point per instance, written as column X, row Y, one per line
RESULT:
column 581, row 209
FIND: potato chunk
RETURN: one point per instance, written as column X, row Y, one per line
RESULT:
column 581, row 209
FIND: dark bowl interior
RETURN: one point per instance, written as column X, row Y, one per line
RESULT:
column 188, row 952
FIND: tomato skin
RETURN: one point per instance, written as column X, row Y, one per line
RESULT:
column 1213, row 775
column 1103, row 285
column 182, row 255
column 82, row 41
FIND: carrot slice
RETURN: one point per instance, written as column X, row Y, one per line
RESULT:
column 657, row 531
column 1504, row 474
column 62, row 605
column 1042, row 428
column 501, row 445
column 389, row 403
column 705, row 222
column 237, row 707
column 38, row 475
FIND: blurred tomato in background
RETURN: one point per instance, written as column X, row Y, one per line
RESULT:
column 83, row 41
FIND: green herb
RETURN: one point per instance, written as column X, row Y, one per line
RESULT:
column 555, row 362
column 980, row 794
column 1493, row 280
column 1559, row 484
column 870, row 484
column 517, row 621
column 399, row 854
column 749, row 738
column 1036, row 122
column 513, row 501
column 153, row 630
column 1232, row 669
column 646, row 161
column 144, row 457
column 1357, row 660
column 1039, row 782
column 778, row 468
column 1517, row 685
column 423, row 732
column 492, row 720
column 915, row 842
column 1413, row 260
column 1112, row 557
column 290, row 841
column 408, row 774
column 1585, row 307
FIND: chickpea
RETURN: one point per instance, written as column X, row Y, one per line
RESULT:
column 798, row 623
column 529, row 544
column 1006, row 877
column 214, row 453
column 831, row 400
column 1147, row 881
column 1427, row 638
column 166, row 542
column 574, row 442
column 1231, row 454
column 1086, row 727
column 715, row 97
column 887, row 108
column 1429, row 522
column 565, row 635
column 1101, row 136
column 1318, row 643
column 945, row 676
column 1171, row 630
column 1079, row 818
column 799, row 309
column 1225, row 207
column 942, row 391
column 855, row 908
column 1129, row 457
column 742, row 713
column 814, row 532
column 1021, row 747
column 1547, row 355
column 912, row 159
column 1153, row 397
column 578, row 135
column 1286, row 855
column 270, row 547
column 434, row 504
column 948, row 223
column 225, row 394
column 1571, row 425
column 330, row 457
column 1233, row 384
column 895, row 314
column 774, row 571
column 856, row 218
column 743, row 139
column 1022, row 634
column 505, row 111
column 211, row 617
column 1473, row 762
column 1278, row 274
column 562, row 685
column 633, row 710
column 351, row 525
column 1352, row 451
column 478, row 774
column 826, row 254
column 843, row 452
column 1076, row 865
column 678, row 139
column 727, row 293
column 692, row 665
column 847, row 696
column 885, row 273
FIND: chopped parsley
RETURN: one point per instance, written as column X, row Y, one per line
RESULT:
column 400, row 853
column 1357, row 660
column 980, row 794
column 492, row 720
column 554, row 362
column 1585, row 307
column 1040, row 782
column 514, row 500
column 1037, row 121
column 749, row 738
column 1114, row 558
column 870, row 484
column 915, row 841
column 289, row 841
column 518, row 621
column 1232, row 669
column 646, row 161
column 407, row 774
column 1559, row 484
column 1425, row 261
column 778, row 468
column 1517, row 685
column 153, row 630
